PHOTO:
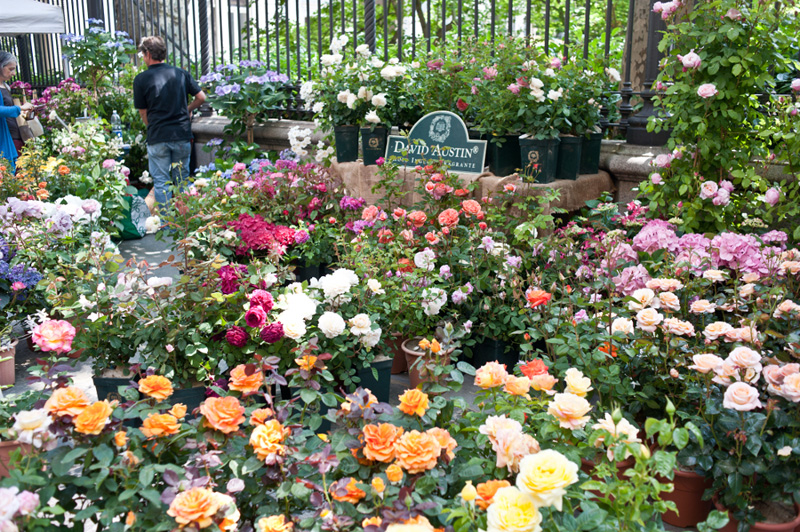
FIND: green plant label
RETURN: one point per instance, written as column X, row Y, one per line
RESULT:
column 440, row 135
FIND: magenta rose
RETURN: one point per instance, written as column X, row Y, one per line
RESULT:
column 256, row 317
column 237, row 336
column 263, row 299
column 707, row 90
column 272, row 332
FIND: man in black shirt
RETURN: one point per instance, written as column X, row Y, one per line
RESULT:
column 160, row 94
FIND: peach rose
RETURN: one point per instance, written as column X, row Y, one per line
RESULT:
column 705, row 362
column 378, row 485
column 267, row 439
column 491, row 375
column 121, row 438
column 714, row 276
column 371, row 521
column 742, row 334
column 93, row 419
column 747, row 290
column 417, row 218
column 259, row 416
column 224, row 414
column 791, row 266
column 347, row 492
column 448, row 218
column 414, row 402
column 246, row 378
column 446, row 442
column 702, row 306
column 471, row 207
column 394, row 473
column 158, row 425
column 648, row 319
column 511, row 447
column 370, row 213
column 379, row 441
column 669, row 301
column 787, row 308
column 644, row 298
column 790, row 389
column 577, row 383
column 517, row 386
column 742, row 397
column 274, row 523
column 570, row 410
column 156, row 386
column 486, row 491
column 69, row 401
column 744, row 357
column 664, row 285
column 54, row 335
column 622, row 325
column 678, row 327
column 398, row 213
column 417, row 451
column 178, row 410
column 543, row 383
column 196, row 506
column 714, row 330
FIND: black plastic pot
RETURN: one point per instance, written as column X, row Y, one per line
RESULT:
column 108, row 388
column 569, row 158
column 505, row 157
column 539, row 158
column 373, row 144
column 191, row 397
column 590, row 153
column 346, row 143
column 380, row 387
column 491, row 350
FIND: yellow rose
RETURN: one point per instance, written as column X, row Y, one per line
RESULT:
column 570, row 410
column 513, row 511
column 577, row 383
column 545, row 475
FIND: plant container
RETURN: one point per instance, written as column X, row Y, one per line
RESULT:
column 6, row 448
column 569, row 158
column 413, row 353
column 492, row 350
column 380, row 386
column 395, row 351
column 505, row 157
column 733, row 524
column 346, row 143
column 590, row 153
column 7, row 369
column 540, row 159
column 373, row 144
column 688, row 497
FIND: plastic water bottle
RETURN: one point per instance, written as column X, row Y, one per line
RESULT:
column 116, row 124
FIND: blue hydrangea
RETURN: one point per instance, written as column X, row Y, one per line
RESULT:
column 288, row 155
column 23, row 274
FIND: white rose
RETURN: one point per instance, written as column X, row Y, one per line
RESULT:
column 343, row 95
column 623, row 325
column 644, row 298
column 159, row 282
column 371, row 338
column 152, row 224
column 379, row 100
column 364, row 93
column 351, row 100
column 372, row 117
column 375, row 286
column 389, row 73
column 32, row 426
column 331, row 324
column 360, row 324
column 363, row 50
column 293, row 325
column 201, row 182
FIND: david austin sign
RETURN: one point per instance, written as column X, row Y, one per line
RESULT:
column 438, row 135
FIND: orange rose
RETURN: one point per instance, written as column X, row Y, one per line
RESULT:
column 446, row 442
column 348, row 492
column 491, row 375
column 414, row 402
column 461, row 192
column 417, row 218
column 157, row 425
column 93, row 418
column 224, row 414
column 178, row 410
column 417, row 451
column 371, row 521
column 378, row 484
column 306, row 362
column 537, row 297
column 267, row 439
column 156, row 386
column 379, row 441
column 196, row 507
column 534, row 367
column 63, row 170
column 69, row 401
column 130, row 519
column 42, row 194
column 274, row 523
column 448, row 218
column 404, row 265
column 543, row 383
column 486, row 491
column 394, row 473
column 471, row 207
column 121, row 438
column 259, row 416
column 243, row 382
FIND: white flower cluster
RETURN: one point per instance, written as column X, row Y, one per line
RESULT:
column 336, row 286
column 323, row 152
column 433, row 299
column 299, row 139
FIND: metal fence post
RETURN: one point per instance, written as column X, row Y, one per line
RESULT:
column 369, row 24
column 205, row 55
column 94, row 9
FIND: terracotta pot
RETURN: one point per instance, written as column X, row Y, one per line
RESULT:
column 733, row 524
column 7, row 373
column 688, row 497
column 6, row 448
column 395, row 350
column 412, row 353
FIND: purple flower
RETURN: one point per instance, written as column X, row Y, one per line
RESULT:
column 237, row 336
column 514, row 261
column 459, row 296
column 300, row 237
column 90, row 206
column 263, row 299
column 444, row 272
column 272, row 332
column 776, row 236
column 255, row 317
column 229, row 276
column 348, row 203
column 59, row 223
column 657, row 234
column 581, row 316
column 487, row 244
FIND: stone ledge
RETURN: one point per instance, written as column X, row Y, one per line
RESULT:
column 573, row 195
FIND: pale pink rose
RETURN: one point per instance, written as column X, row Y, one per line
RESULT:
column 109, row 164
column 648, row 319
column 658, row 7
column 772, row 196
column 663, row 160
column 745, row 334
column 570, row 410
column 734, row 14
column 708, row 189
column 744, row 357
column 705, row 362
column 54, row 335
column 495, row 424
column 791, row 266
column 514, row 88
column 407, row 235
column 690, row 60
column 742, row 397
column 511, row 447
column 722, row 198
column 669, row 301
column 674, row 373
column 796, row 84
column 702, row 306
column 624, row 432
column 790, row 389
column 787, row 308
column 790, row 369
column 747, row 290
column 728, row 372
column 707, row 90
column 664, row 285
column 751, row 277
column 714, row 275
column 714, row 330
column 774, row 377
column 656, row 179
column 677, row 327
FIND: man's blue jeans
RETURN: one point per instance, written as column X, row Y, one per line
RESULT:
column 169, row 164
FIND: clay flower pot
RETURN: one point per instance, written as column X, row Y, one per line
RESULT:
column 688, row 497
column 733, row 524
column 6, row 448
column 395, row 347
column 7, row 361
column 413, row 353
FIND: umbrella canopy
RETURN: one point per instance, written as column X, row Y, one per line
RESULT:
column 21, row 17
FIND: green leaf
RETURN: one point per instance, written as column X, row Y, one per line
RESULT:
column 465, row 368
column 680, row 437
column 308, row 396
column 104, row 455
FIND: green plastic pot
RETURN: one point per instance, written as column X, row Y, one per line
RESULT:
column 540, row 159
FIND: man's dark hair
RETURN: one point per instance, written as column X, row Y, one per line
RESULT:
column 155, row 46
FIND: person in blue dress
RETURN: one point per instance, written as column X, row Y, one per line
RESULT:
column 9, row 111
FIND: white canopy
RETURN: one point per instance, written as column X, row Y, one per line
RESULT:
column 21, row 17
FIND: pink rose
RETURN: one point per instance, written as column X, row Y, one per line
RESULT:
column 723, row 197
column 656, row 179
column 734, row 14
column 742, row 397
column 727, row 185
column 54, row 335
column 658, row 7
column 489, row 73
column 707, row 90
column 555, row 62
column 772, row 196
column 513, row 88
column 796, row 84
column 16, row 286
column 663, row 160
column 109, row 164
column 690, row 60
column 705, row 362
column 708, row 190
column 239, row 167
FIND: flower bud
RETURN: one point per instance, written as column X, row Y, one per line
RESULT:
column 378, row 485
column 670, row 407
column 645, row 451
column 469, row 493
